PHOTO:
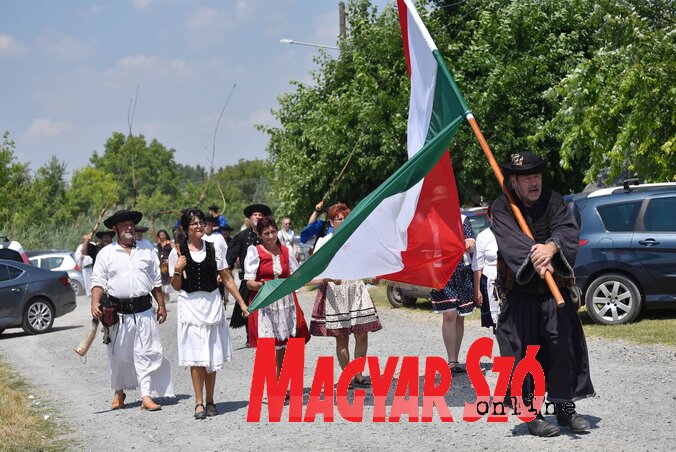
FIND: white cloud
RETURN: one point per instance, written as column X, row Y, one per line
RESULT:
column 207, row 26
column 64, row 47
column 93, row 10
column 10, row 47
column 46, row 128
column 142, row 5
column 152, row 68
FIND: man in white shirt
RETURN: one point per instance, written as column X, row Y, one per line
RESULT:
column 127, row 272
column 285, row 235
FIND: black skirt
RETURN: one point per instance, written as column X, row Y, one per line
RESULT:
column 532, row 319
column 237, row 320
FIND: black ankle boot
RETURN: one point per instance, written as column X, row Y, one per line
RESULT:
column 542, row 427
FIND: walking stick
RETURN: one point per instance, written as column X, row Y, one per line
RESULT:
column 556, row 293
column 335, row 180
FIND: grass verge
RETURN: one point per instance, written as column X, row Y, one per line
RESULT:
column 652, row 326
column 23, row 427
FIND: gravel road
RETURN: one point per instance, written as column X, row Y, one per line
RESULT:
column 634, row 409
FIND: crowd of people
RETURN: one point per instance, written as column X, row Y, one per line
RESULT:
column 502, row 272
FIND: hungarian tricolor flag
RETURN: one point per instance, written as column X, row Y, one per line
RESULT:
column 408, row 229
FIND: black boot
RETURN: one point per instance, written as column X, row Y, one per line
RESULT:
column 574, row 421
column 543, row 428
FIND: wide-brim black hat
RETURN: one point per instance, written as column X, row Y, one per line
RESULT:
column 123, row 215
column 211, row 220
column 261, row 208
column 100, row 234
column 524, row 163
column 141, row 228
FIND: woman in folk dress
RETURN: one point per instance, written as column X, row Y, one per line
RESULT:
column 283, row 318
column 343, row 308
column 203, row 339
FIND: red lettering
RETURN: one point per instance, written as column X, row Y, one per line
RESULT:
column 380, row 384
column 435, row 395
column 351, row 412
column 503, row 365
column 265, row 376
column 321, row 383
column 480, row 347
column 408, row 383
column 529, row 365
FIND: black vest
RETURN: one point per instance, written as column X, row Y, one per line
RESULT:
column 201, row 276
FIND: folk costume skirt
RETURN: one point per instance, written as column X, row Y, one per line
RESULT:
column 343, row 309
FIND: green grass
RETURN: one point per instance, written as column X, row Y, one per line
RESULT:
column 22, row 426
column 651, row 327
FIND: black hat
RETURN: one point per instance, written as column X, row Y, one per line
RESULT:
column 100, row 234
column 213, row 207
column 524, row 163
column 211, row 220
column 123, row 215
column 141, row 228
column 261, row 208
column 227, row 227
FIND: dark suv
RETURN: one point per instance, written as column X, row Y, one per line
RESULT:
column 627, row 254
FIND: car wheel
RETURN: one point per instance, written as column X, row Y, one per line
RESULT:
column 613, row 299
column 77, row 287
column 397, row 299
column 38, row 317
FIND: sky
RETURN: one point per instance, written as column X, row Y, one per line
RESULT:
column 70, row 69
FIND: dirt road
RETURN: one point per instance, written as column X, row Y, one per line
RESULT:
column 634, row 409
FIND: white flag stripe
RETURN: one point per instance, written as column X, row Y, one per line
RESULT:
column 423, row 80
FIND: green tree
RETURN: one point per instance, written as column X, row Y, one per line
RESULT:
column 14, row 181
column 617, row 106
column 91, row 189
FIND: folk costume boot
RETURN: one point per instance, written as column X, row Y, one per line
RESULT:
column 574, row 421
column 542, row 427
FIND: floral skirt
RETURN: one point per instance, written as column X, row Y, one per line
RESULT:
column 343, row 309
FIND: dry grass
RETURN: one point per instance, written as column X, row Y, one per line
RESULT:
column 22, row 427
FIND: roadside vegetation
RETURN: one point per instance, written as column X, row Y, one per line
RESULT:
column 651, row 327
column 22, row 426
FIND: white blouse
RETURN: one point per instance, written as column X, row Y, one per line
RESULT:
column 198, row 256
column 486, row 254
column 252, row 261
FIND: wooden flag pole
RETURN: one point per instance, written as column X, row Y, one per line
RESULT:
column 556, row 293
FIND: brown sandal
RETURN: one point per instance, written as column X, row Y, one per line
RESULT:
column 211, row 409
column 200, row 414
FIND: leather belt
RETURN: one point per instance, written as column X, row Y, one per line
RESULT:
column 131, row 305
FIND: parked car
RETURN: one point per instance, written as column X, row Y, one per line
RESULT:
column 627, row 255
column 59, row 260
column 31, row 298
column 305, row 249
column 12, row 250
column 407, row 295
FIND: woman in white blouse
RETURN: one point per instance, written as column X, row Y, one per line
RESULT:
column 484, row 266
column 202, row 333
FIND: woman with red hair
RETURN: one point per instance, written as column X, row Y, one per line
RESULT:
column 343, row 308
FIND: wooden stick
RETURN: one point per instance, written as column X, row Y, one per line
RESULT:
column 512, row 203
column 333, row 183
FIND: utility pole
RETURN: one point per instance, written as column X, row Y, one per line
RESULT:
column 341, row 20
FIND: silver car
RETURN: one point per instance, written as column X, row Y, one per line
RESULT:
column 31, row 298
column 60, row 261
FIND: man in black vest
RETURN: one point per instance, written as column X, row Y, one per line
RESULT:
column 237, row 249
column 528, row 314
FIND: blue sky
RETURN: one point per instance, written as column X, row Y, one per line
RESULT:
column 70, row 69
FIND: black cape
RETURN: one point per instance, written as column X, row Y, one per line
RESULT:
column 237, row 249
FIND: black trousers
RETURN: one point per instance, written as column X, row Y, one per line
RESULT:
column 528, row 319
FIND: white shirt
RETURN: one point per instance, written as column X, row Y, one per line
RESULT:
column 486, row 254
column 199, row 256
column 218, row 240
column 82, row 259
column 286, row 238
column 252, row 261
column 125, row 275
